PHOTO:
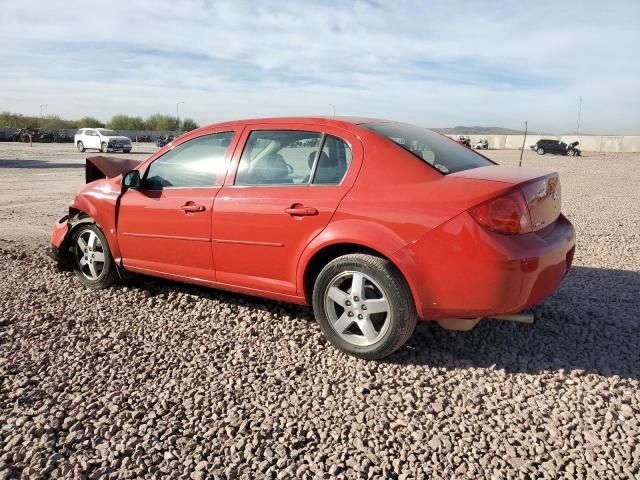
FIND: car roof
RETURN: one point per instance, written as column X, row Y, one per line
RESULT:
column 319, row 120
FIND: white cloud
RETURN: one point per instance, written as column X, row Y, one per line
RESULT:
column 435, row 64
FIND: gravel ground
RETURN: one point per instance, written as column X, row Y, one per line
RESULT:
column 158, row 379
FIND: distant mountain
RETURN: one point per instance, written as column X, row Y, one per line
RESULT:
column 478, row 131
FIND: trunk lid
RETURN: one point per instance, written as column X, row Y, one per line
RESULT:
column 540, row 188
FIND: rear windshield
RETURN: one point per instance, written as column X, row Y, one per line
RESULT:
column 442, row 153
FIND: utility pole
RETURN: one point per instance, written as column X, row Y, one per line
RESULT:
column 524, row 141
column 41, row 106
column 334, row 108
column 178, row 113
column 579, row 114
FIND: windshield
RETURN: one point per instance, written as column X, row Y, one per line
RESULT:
column 107, row 133
column 442, row 153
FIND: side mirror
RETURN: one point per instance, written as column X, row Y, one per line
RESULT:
column 131, row 180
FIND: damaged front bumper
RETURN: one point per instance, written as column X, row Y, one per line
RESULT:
column 59, row 246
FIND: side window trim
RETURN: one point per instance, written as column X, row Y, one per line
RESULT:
column 312, row 175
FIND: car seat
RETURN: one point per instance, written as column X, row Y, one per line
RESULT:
column 271, row 169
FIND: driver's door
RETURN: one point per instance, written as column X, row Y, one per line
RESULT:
column 164, row 227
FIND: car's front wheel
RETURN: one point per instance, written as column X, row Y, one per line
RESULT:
column 80, row 146
column 92, row 260
column 364, row 306
column 126, row 150
column 571, row 153
column 540, row 151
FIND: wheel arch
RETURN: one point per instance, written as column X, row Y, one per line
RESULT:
column 321, row 256
column 99, row 209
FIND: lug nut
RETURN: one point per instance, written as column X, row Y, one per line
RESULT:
column 364, row 307
column 360, row 316
column 355, row 299
column 347, row 303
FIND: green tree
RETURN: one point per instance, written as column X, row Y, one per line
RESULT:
column 125, row 122
column 53, row 121
column 17, row 120
column 89, row 122
column 189, row 124
column 162, row 123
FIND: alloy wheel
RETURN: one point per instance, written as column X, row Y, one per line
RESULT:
column 90, row 255
column 357, row 307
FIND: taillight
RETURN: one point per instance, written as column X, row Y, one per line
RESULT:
column 506, row 214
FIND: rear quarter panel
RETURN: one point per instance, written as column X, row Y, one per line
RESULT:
column 396, row 199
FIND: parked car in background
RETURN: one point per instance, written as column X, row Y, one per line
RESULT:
column 162, row 140
column 101, row 139
column 556, row 147
column 481, row 145
column 464, row 140
column 376, row 224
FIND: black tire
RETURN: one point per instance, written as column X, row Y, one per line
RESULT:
column 80, row 146
column 401, row 315
column 127, row 150
column 540, row 151
column 104, row 147
column 107, row 275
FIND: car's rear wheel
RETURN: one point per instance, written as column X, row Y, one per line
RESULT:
column 571, row 153
column 80, row 147
column 364, row 306
column 540, row 151
column 104, row 148
column 92, row 260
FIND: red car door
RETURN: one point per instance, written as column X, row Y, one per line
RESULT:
column 165, row 226
column 289, row 180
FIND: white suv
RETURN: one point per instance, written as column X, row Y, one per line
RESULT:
column 101, row 139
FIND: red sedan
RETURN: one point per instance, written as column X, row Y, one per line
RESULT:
column 376, row 224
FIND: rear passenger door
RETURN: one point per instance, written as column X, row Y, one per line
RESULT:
column 91, row 139
column 289, row 181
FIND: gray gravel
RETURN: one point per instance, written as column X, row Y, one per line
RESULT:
column 158, row 379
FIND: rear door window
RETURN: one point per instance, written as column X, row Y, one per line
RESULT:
column 278, row 157
column 442, row 153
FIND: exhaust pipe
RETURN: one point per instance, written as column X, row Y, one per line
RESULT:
column 523, row 317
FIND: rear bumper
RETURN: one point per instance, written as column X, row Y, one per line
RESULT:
column 460, row 270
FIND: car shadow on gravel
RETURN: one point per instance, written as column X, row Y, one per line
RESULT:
column 24, row 163
column 591, row 323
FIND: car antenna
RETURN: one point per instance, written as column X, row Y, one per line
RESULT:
column 524, row 141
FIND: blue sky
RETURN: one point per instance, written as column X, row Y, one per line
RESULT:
column 431, row 63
